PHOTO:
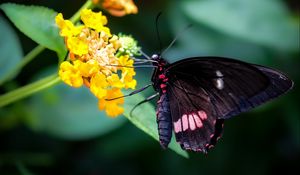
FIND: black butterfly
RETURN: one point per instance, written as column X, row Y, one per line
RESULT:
column 198, row 94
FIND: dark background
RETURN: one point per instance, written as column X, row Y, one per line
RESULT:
column 37, row 138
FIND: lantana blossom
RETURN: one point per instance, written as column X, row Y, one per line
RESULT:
column 96, row 60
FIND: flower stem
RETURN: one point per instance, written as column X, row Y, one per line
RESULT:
column 28, row 90
column 30, row 56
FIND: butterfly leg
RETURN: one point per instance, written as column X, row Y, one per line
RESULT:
column 144, row 101
column 132, row 93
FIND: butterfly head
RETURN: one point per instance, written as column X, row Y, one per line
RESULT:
column 156, row 57
column 158, row 60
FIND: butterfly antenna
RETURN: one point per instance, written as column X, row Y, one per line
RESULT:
column 157, row 31
column 145, row 55
column 176, row 37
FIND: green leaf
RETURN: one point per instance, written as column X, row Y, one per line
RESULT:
column 38, row 23
column 69, row 113
column 10, row 49
column 263, row 22
column 144, row 118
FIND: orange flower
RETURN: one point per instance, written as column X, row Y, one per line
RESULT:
column 118, row 7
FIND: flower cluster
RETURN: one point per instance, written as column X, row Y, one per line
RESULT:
column 96, row 59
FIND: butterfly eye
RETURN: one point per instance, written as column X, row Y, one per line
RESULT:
column 155, row 57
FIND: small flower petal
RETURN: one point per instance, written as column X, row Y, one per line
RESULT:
column 112, row 107
column 77, row 46
column 115, row 81
column 98, row 85
column 70, row 75
column 94, row 20
column 88, row 69
column 67, row 28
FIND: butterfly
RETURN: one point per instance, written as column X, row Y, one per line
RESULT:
column 196, row 96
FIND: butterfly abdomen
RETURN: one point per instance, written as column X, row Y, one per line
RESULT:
column 164, row 120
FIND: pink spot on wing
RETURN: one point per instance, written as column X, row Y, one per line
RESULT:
column 185, row 122
column 177, row 126
column 197, row 121
column 191, row 122
column 211, row 136
column 202, row 115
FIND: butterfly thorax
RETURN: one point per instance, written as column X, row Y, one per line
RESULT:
column 159, row 77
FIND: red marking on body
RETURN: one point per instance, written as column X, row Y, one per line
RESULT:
column 162, row 86
column 165, row 80
column 178, row 126
column 161, row 76
column 191, row 122
column 197, row 121
column 202, row 115
column 185, row 122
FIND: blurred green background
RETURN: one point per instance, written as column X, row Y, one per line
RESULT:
column 61, row 131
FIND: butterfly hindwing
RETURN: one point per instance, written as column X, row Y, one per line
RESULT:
column 194, row 120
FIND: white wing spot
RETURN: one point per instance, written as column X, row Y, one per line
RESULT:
column 219, row 83
column 219, row 73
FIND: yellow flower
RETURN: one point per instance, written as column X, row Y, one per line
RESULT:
column 115, row 81
column 88, row 69
column 95, row 60
column 115, row 42
column 127, row 78
column 112, row 107
column 99, row 85
column 77, row 46
column 119, row 7
column 125, row 60
column 70, row 74
column 94, row 20
column 67, row 28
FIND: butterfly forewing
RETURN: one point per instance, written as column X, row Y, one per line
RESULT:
column 232, row 86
